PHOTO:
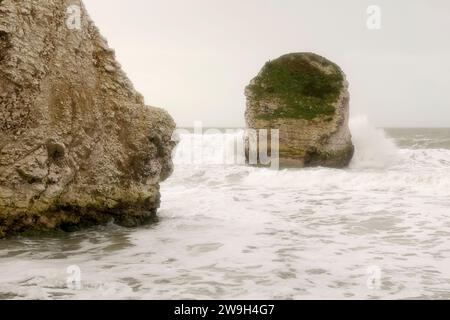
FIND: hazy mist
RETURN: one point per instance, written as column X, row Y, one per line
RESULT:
column 194, row 58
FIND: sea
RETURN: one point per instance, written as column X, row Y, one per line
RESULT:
column 379, row 229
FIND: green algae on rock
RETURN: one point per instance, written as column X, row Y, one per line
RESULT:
column 306, row 97
column 306, row 85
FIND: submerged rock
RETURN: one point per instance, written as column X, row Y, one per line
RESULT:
column 77, row 144
column 306, row 97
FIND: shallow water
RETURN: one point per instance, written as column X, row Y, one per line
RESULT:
column 380, row 229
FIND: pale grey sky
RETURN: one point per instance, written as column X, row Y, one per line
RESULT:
column 195, row 57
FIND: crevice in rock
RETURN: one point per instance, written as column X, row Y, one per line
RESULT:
column 5, row 44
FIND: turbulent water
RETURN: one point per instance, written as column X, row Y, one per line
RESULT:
column 379, row 229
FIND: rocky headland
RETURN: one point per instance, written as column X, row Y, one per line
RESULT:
column 78, row 146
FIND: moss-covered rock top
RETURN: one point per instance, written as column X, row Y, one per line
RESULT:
column 305, row 86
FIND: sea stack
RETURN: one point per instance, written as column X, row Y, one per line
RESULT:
column 78, row 146
column 306, row 98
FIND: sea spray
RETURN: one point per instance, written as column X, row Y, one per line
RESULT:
column 373, row 149
column 294, row 233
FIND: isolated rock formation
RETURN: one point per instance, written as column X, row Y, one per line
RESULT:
column 77, row 144
column 306, row 97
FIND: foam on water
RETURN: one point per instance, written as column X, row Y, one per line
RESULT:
column 236, row 232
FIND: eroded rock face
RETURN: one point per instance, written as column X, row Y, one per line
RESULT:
column 306, row 97
column 77, row 144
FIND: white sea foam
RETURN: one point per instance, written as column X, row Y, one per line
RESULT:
column 238, row 232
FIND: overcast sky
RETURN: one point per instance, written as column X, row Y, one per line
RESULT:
column 194, row 58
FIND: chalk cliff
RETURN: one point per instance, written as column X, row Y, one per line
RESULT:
column 77, row 144
column 306, row 98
